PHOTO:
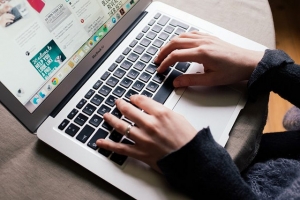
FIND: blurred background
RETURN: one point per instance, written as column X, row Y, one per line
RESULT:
column 286, row 16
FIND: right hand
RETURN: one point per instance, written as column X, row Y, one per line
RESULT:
column 223, row 63
column 6, row 7
column 6, row 18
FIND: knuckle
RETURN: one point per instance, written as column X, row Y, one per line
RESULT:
column 174, row 54
column 174, row 41
column 118, row 126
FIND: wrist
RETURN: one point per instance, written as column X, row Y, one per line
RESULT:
column 251, row 60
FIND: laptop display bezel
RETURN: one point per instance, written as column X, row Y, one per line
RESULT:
column 33, row 120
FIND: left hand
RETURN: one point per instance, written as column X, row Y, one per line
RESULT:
column 157, row 132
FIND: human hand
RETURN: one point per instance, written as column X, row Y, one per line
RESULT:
column 158, row 131
column 5, row 7
column 6, row 18
column 223, row 63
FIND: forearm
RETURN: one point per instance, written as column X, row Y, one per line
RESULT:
column 203, row 168
column 276, row 72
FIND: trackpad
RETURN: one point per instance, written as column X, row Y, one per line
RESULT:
column 209, row 106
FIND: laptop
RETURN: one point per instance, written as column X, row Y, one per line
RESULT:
column 66, row 62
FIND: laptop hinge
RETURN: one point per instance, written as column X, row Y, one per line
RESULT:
column 60, row 106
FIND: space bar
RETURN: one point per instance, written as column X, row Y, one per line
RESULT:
column 167, row 88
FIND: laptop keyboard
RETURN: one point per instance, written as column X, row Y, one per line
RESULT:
column 133, row 72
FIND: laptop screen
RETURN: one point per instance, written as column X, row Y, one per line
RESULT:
column 42, row 41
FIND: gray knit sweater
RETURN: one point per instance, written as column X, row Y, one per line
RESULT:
column 203, row 169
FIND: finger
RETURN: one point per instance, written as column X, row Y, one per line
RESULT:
column 148, row 105
column 182, row 55
column 177, row 43
column 131, row 112
column 120, row 148
column 121, row 127
column 207, row 79
column 193, row 35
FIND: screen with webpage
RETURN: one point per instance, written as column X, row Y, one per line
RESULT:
column 42, row 41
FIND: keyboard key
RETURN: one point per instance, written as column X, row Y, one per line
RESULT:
column 147, row 94
column 126, row 82
column 145, row 29
column 139, row 49
column 96, row 120
column 104, row 152
column 103, row 109
column 146, row 58
column 133, row 74
column 159, row 78
column 139, row 36
column 166, row 72
column 139, row 65
column 157, row 15
column 97, row 100
column 182, row 66
column 119, row 59
column 151, row 35
column 179, row 31
column 133, row 43
column 100, row 134
column 112, row 67
column 85, row 133
column 105, row 90
column 111, row 100
column 156, row 28
column 169, row 29
column 145, row 77
column 126, row 64
column 116, row 113
column 115, row 136
column 119, row 91
column 130, row 93
column 119, row 73
column 126, row 51
column 132, row 57
column 72, row 130
column 163, row 20
column 105, row 76
column 80, row 119
column 138, row 85
column 64, row 124
column 145, row 42
column 97, row 85
column 193, row 29
column 89, row 109
column 112, row 81
column 89, row 94
column 72, row 114
column 152, row 86
column 151, row 68
column 152, row 50
column 179, row 24
column 158, row 43
column 81, row 103
column 167, row 88
column 152, row 21
column 163, row 36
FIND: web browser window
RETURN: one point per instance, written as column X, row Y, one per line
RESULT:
column 42, row 41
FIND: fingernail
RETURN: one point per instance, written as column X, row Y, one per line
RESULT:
column 176, row 83
column 99, row 142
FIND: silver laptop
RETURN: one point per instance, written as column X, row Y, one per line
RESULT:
column 64, row 62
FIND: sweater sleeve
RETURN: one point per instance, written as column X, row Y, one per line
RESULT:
column 276, row 72
column 202, row 168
